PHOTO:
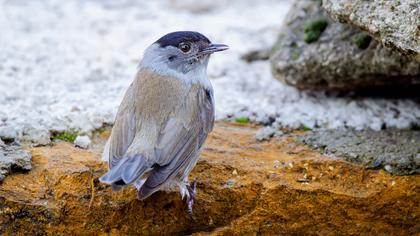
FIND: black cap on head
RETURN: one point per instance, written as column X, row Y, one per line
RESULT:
column 175, row 38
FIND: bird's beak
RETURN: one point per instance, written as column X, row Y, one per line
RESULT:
column 213, row 47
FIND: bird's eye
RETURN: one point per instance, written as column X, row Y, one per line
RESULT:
column 185, row 47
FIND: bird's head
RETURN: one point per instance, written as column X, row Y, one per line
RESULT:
column 181, row 52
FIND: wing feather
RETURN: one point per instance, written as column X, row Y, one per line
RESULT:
column 124, row 129
column 184, row 152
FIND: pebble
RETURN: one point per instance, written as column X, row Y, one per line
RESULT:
column 82, row 141
column 230, row 183
column 7, row 133
column 266, row 133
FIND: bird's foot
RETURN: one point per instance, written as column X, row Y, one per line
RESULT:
column 191, row 195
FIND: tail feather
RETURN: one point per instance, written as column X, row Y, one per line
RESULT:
column 145, row 191
column 134, row 169
column 127, row 171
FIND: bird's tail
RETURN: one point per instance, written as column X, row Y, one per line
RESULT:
column 126, row 171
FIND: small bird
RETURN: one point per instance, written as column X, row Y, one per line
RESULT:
column 164, row 117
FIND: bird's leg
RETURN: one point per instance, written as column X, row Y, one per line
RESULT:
column 191, row 195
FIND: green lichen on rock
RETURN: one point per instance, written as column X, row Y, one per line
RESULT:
column 305, row 128
column 242, row 120
column 362, row 40
column 313, row 29
column 68, row 136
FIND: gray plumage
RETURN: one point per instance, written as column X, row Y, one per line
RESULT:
column 164, row 117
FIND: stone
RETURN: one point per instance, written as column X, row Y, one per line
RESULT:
column 13, row 159
column 7, row 133
column 266, row 133
column 394, row 23
column 36, row 135
column 396, row 151
column 61, row 195
column 82, row 141
column 315, row 52
column 257, row 55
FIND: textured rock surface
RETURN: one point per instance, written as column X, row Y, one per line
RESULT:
column 342, row 58
column 397, row 151
column 244, row 188
column 257, row 55
column 395, row 23
column 266, row 133
column 13, row 159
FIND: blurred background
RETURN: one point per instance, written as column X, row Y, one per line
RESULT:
column 65, row 65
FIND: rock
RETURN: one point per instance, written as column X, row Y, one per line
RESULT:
column 37, row 135
column 257, row 55
column 394, row 23
column 394, row 150
column 7, row 133
column 13, row 159
column 82, row 141
column 61, row 195
column 266, row 133
column 314, row 52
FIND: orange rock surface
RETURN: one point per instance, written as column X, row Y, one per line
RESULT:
column 244, row 188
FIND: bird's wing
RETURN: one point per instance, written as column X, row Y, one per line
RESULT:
column 207, row 112
column 178, row 145
column 124, row 169
column 124, row 129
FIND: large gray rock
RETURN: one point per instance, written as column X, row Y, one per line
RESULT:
column 395, row 23
column 13, row 158
column 397, row 151
column 315, row 52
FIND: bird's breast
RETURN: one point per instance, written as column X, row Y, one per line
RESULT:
column 161, row 97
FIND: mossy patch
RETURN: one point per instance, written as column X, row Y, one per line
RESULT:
column 68, row 136
column 362, row 40
column 305, row 128
column 322, row 149
column 313, row 29
column 242, row 120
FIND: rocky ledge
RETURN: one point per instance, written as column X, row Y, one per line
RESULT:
column 395, row 23
column 244, row 187
column 13, row 159
column 316, row 53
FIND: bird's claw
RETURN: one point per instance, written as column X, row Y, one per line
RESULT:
column 191, row 195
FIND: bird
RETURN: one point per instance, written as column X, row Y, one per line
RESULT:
column 164, row 118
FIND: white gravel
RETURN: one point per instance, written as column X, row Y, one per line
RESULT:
column 82, row 141
column 66, row 64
